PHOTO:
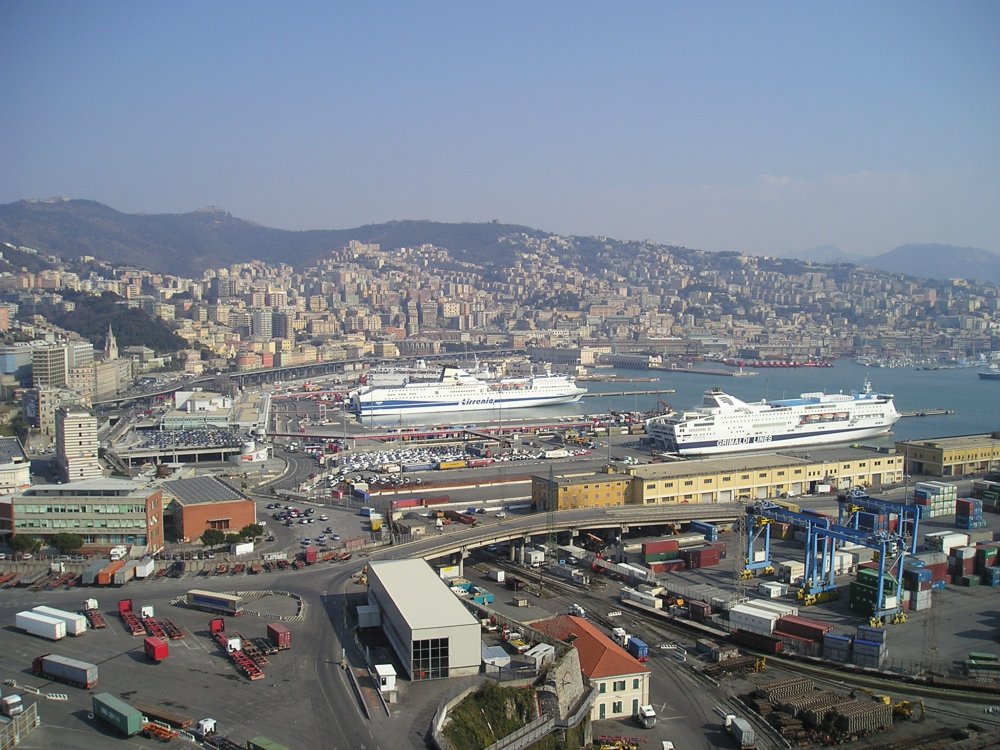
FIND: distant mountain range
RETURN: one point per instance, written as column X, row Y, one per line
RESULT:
column 187, row 244
column 928, row 261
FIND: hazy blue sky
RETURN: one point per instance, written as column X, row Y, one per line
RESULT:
column 763, row 126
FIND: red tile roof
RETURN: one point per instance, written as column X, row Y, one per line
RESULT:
column 600, row 657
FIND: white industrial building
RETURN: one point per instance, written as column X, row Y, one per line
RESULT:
column 433, row 634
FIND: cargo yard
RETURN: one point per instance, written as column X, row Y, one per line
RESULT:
column 144, row 632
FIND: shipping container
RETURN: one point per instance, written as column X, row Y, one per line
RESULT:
column 76, row 624
column 802, row 627
column 89, row 576
column 125, row 574
column 310, row 555
column 263, row 743
column 279, row 635
column 212, row 602
column 156, row 649
column 145, row 567
column 41, row 625
column 107, row 575
column 63, row 669
column 117, row 713
column 447, row 465
column 764, row 643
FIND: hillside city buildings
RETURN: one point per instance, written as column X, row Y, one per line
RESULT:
column 567, row 300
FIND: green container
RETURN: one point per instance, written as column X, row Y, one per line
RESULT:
column 117, row 713
column 969, row 581
column 982, row 656
column 263, row 743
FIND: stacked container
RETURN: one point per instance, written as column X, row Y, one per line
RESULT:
column 802, row 627
column 791, row 571
column 945, row 541
column 837, row 647
column 969, row 514
column 937, row 498
column 864, row 592
column 869, row 653
column 701, row 557
column 962, row 564
column 753, row 620
column 710, row 531
column 661, row 550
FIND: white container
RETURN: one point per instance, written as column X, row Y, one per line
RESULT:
column 782, row 608
column 145, row 568
column 772, row 590
column 791, row 570
column 497, row 575
column 752, row 619
column 41, row 625
column 75, row 624
column 243, row 548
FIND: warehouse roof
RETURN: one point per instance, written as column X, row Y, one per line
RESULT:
column 423, row 599
column 203, row 490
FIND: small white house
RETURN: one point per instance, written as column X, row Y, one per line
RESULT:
column 386, row 676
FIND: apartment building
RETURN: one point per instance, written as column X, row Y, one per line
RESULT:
column 76, row 444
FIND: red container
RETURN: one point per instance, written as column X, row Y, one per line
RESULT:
column 430, row 501
column 279, row 635
column 410, row 503
column 663, row 545
column 310, row 555
column 869, row 565
column 802, row 627
column 156, row 649
column 666, row 566
column 475, row 463
column 757, row 641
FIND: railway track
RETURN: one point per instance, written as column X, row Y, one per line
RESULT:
column 667, row 629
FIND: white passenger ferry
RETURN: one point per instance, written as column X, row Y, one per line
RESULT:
column 725, row 424
column 457, row 390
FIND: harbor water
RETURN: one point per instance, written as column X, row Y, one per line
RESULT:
column 975, row 403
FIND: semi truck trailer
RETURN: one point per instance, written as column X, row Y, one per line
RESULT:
column 41, row 625
column 73, row 672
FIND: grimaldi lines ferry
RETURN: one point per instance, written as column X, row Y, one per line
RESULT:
column 725, row 424
column 457, row 390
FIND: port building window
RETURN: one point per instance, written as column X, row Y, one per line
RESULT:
column 616, row 707
column 430, row 659
column 619, row 686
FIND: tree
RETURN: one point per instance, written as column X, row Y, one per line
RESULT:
column 213, row 538
column 67, row 543
column 251, row 531
column 23, row 543
column 233, row 538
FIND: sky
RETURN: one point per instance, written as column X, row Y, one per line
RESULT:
column 765, row 127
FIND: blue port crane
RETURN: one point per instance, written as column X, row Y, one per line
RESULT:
column 857, row 502
column 819, row 583
column 759, row 520
column 822, row 540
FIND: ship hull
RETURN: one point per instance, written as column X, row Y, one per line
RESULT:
column 779, row 441
column 396, row 407
column 990, row 375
